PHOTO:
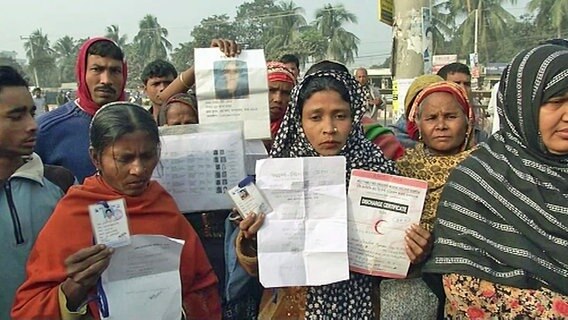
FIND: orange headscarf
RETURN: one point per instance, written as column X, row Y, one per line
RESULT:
column 69, row 230
column 444, row 86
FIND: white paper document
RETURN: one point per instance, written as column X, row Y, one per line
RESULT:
column 233, row 89
column 303, row 242
column 381, row 208
column 200, row 163
column 143, row 280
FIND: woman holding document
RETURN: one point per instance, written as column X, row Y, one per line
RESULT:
column 443, row 119
column 323, row 119
column 65, row 265
column 502, row 229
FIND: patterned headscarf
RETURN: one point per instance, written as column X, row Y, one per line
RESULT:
column 352, row 298
column 415, row 88
column 360, row 153
column 503, row 215
column 461, row 97
column 185, row 98
column 277, row 71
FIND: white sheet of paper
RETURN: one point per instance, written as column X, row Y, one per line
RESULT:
column 233, row 89
column 143, row 280
column 199, row 163
column 303, row 242
column 381, row 208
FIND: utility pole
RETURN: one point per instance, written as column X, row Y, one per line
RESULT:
column 408, row 54
column 407, row 29
column 33, row 58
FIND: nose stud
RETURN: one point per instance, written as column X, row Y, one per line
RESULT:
column 334, row 130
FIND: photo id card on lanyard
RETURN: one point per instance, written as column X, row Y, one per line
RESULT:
column 110, row 223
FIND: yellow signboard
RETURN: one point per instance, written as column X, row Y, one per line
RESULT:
column 386, row 11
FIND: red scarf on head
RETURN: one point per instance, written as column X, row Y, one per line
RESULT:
column 83, row 94
column 278, row 71
column 445, row 86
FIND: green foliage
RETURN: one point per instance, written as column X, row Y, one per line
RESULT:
column 41, row 59
column 151, row 40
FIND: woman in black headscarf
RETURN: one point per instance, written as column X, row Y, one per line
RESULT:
column 502, row 223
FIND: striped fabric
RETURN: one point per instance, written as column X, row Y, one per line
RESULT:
column 503, row 215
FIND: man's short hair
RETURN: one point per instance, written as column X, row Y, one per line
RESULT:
column 158, row 69
column 106, row 49
column 363, row 69
column 290, row 58
column 454, row 67
column 10, row 77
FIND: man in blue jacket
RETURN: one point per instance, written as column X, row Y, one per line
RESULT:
column 63, row 137
column 30, row 190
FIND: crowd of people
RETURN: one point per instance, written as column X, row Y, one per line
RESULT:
column 490, row 240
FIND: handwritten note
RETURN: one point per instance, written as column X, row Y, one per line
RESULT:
column 233, row 89
column 381, row 208
column 143, row 280
column 200, row 163
column 304, row 240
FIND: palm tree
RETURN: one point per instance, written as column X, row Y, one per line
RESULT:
column 66, row 53
column 152, row 39
column 286, row 27
column 182, row 57
column 550, row 12
column 113, row 32
column 40, row 56
column 342, row 45
column 493, row 23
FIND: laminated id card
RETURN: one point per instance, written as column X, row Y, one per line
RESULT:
column 248, row 198
column 110, row 223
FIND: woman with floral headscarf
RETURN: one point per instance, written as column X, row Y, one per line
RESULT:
column 502, row 223
column 443, row 119
column 323, row 119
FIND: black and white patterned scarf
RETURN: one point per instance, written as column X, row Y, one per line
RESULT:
column 349, row 299
column 503, row 215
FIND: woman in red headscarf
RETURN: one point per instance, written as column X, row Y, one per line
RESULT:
column 441, row 119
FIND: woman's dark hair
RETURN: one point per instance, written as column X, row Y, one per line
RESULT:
column 116, row 119
column 327, row 65
column 317, row 84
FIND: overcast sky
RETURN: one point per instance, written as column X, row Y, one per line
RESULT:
column 81, row 19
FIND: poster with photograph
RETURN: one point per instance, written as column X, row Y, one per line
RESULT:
column 233, row 89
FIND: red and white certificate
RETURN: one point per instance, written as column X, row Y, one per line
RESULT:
column 380, row 209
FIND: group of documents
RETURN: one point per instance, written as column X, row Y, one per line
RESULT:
column 315, row 231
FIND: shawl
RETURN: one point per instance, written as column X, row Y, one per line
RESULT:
column 350, row 299
column 83, row 94
column 415, row 87
column 153, row 212
column 185, row 98
column 443, row 86
column 503, row 215
column 417, row 163
column 277, row 71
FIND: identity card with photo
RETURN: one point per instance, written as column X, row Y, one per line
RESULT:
column 248, row 198
column 110, row 223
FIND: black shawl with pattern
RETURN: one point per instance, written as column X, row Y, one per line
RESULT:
column 503, row 215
